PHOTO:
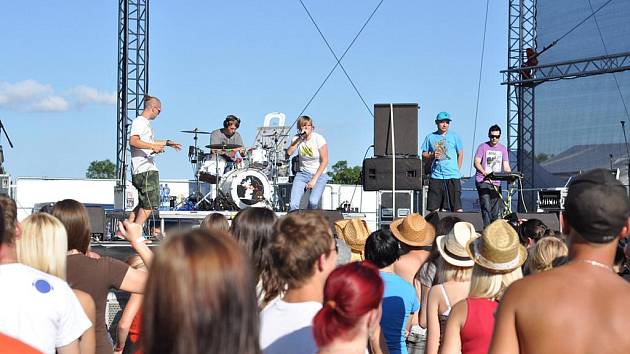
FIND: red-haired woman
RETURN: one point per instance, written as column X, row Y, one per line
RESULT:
column 352, row 309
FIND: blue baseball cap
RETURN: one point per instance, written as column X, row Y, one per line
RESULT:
column 442, row 116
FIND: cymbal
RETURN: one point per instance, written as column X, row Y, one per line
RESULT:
column 194, row 131
column 223, row 146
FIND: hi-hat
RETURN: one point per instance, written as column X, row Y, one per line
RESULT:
column 223, row 146
column 194, row 131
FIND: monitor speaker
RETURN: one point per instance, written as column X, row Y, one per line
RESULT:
column 436, row 217
column 549, row 219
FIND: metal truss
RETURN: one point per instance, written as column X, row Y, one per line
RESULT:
column 133, row 73
column 605, row 64
column 520, row 98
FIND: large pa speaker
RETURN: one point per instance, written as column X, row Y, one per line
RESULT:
column 377, row 174
column 405, row 129
column 549, row 219
column 436, row 217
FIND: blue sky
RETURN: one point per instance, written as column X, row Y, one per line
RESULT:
column 212, row 58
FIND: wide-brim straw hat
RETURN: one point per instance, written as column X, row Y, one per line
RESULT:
column 413, row 230
column 498, row 250
column 452, row 246
column 354, row 232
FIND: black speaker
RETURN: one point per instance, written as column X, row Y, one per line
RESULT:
column 436, row 217
column 405, row 129
column 549, row 219
column 97, row 221
column 377, row 174
column 330, row 215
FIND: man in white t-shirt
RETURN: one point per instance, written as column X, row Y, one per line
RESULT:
column 145, row 176
column 313, row 152
column 36, row 308
column 304, row 253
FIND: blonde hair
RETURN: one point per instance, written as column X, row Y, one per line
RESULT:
column 546, row 253
column 449, row 272
column 303, row 120
column 488, row 285
column 43, row 244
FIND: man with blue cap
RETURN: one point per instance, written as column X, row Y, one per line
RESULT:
column 445, row 151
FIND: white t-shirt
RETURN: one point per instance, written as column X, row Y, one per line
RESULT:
column 309, row 153
column 141, row 161
column 288, row 327
column 39, row 309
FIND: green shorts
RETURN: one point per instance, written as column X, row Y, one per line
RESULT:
column 148, row 186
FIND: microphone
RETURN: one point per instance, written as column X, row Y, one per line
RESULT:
column 302, row 134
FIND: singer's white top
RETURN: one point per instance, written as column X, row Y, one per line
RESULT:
column 141, row 161
column 309, row 153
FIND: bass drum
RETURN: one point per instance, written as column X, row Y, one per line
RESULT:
column 246, row 188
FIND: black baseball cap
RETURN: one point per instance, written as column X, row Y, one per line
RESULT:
column 597, row 206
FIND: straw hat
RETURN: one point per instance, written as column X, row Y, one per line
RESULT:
column 498, row 249
column 452, row 246
column 413, row 230
column 354, row 232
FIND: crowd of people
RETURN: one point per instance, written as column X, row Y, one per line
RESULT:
column 263, row 284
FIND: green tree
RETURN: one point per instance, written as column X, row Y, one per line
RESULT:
column 342, row 174
column 101, row 169
column 542, row 157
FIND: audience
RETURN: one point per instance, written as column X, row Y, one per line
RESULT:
column 97, row 276
column 531, row 231
column 498, row 257
column 253, row 229
column 216, row 221
column 352, row 309
column 400, row 301
column 35, row 307
column 200, row 297
column 585, row 307
column 454, row 270
column 43, row 245
column 128, row 331
column 549, row 252
column 303, row 254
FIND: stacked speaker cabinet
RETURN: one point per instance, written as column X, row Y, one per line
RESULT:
column 407, row 202
column 405, row 129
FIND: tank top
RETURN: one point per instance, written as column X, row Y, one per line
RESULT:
column 443, row 317
column 477, row 331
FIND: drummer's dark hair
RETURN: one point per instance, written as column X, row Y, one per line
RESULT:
column 231, row 118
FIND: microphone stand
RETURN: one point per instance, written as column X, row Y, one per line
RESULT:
column 625, row 138
column 1, row 151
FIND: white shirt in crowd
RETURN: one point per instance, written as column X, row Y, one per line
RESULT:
column 309, row 153
column 39, row 309
column 288, row 327
column 141, row 160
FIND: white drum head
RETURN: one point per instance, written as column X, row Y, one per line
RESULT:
column 246, row 188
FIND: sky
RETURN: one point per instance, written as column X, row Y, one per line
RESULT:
column 58, row 71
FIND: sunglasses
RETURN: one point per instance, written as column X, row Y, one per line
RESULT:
column 494, row 136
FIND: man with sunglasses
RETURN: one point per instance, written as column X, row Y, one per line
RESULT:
column 491, row 156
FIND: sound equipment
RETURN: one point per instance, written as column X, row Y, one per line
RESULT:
column 330, row 215
column 405, row 129
column 5, row 183
column 377, row 174
column 406, row 203
column 436, row 217
column 549, row 219
column 97, row 221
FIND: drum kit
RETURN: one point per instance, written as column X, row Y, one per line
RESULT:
column 237, row 178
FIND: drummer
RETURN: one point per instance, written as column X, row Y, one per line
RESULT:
column 228, row 136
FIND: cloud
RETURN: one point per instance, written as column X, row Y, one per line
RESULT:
column 85, row 95
column 32, row 96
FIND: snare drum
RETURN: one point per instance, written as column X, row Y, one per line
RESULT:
column 246, row 188
column 208, row 170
